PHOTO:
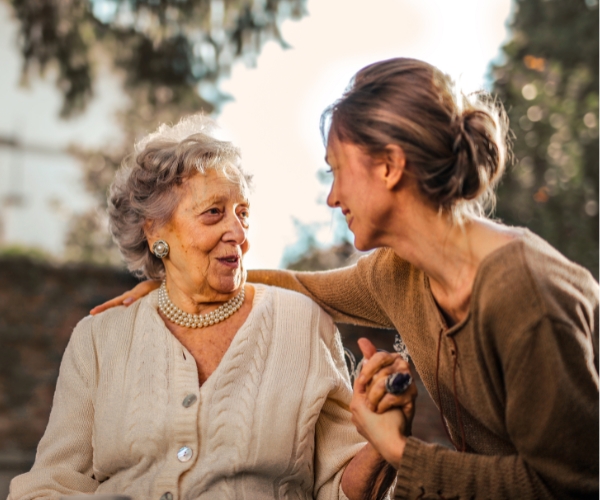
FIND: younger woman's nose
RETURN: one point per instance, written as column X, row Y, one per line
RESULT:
column 332, row 200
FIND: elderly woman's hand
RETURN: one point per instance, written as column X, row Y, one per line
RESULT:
column 385, row 431
column 129, row 297
column 375, row 370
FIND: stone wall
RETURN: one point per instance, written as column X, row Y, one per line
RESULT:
column 40, row 304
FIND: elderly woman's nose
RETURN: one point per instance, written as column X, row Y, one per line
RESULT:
column 236, row 230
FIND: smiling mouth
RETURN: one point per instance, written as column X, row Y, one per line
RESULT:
column 230, row 260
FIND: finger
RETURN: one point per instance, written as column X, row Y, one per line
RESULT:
column 129, row 297
column 360, row 386
column 381, row 360
column 398, row 366
column 377, row 392
column 404, row 401
column 117, row 301
column 366, row 347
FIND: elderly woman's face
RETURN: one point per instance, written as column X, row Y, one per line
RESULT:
column 207, row 235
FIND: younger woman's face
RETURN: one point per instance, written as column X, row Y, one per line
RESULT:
column 358, row 191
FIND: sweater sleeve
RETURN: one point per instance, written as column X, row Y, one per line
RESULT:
column 336, row 438
column 551, row 417
column 63, row 463
column 347, row 294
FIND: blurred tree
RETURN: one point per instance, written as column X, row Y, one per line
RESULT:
column 171, row 55
column 549, row 85
column 164, row 47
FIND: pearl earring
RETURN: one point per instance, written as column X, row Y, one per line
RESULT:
column 160, row 249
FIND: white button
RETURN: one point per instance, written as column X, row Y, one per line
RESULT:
column 184, row 454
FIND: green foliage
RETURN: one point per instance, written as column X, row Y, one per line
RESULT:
column 171, row 55
column 549, row 85
column 33, row 253
column 174, row 44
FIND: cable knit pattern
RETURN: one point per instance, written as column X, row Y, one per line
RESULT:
column 149, row 382
column 519, row 373
column 271, row 422
column 233, row 415
column 254, row 347
column 302, row 468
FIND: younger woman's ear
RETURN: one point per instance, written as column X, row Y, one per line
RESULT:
column 395, row 161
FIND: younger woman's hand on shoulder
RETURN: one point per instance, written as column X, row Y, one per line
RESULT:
column 129, row 297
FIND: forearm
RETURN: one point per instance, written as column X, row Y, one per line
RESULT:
column 367, row 476
column 431, row 469
column 341, row 292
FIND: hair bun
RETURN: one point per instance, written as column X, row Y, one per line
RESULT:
column 479, row 158
column 455, row 144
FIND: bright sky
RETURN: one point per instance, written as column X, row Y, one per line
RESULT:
column 275, row 115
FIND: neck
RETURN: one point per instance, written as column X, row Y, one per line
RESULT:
column 194, row 299
column 448, row 253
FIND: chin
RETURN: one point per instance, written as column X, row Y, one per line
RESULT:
column 229, row 284
column 362, row 245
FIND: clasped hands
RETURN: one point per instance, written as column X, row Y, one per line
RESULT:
column 382, row 418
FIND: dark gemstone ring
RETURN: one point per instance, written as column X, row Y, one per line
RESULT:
column 398, row 383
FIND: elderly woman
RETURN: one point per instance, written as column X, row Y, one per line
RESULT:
column 502, row 328
column 208, row 387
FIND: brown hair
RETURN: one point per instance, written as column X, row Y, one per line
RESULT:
column 455, row 145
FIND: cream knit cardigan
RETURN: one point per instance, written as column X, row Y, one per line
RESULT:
column 272, row 421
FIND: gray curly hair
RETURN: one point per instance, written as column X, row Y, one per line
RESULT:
column 146, row 187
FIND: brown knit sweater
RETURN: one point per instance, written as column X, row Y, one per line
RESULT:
column 517, row 379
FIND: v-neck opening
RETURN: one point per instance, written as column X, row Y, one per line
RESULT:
column 474, row 290
column 259, row 291
column 259, row 294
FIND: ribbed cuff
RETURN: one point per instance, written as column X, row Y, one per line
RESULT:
column 413, row 460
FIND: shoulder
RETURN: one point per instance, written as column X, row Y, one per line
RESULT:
column 115, row 323
column 385, row 260
column 528, row 279
column 385, row 271
column 293, row 310
column 302, row 323
column 288, row 304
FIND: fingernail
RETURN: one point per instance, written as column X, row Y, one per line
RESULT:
column 128, row 301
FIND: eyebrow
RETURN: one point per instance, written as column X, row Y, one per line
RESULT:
column 218, row 199
column 214, row 199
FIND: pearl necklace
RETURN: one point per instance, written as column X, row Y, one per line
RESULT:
column 182, row 318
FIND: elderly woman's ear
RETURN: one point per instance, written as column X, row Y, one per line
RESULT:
column 158, row 246
column 151, row 233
